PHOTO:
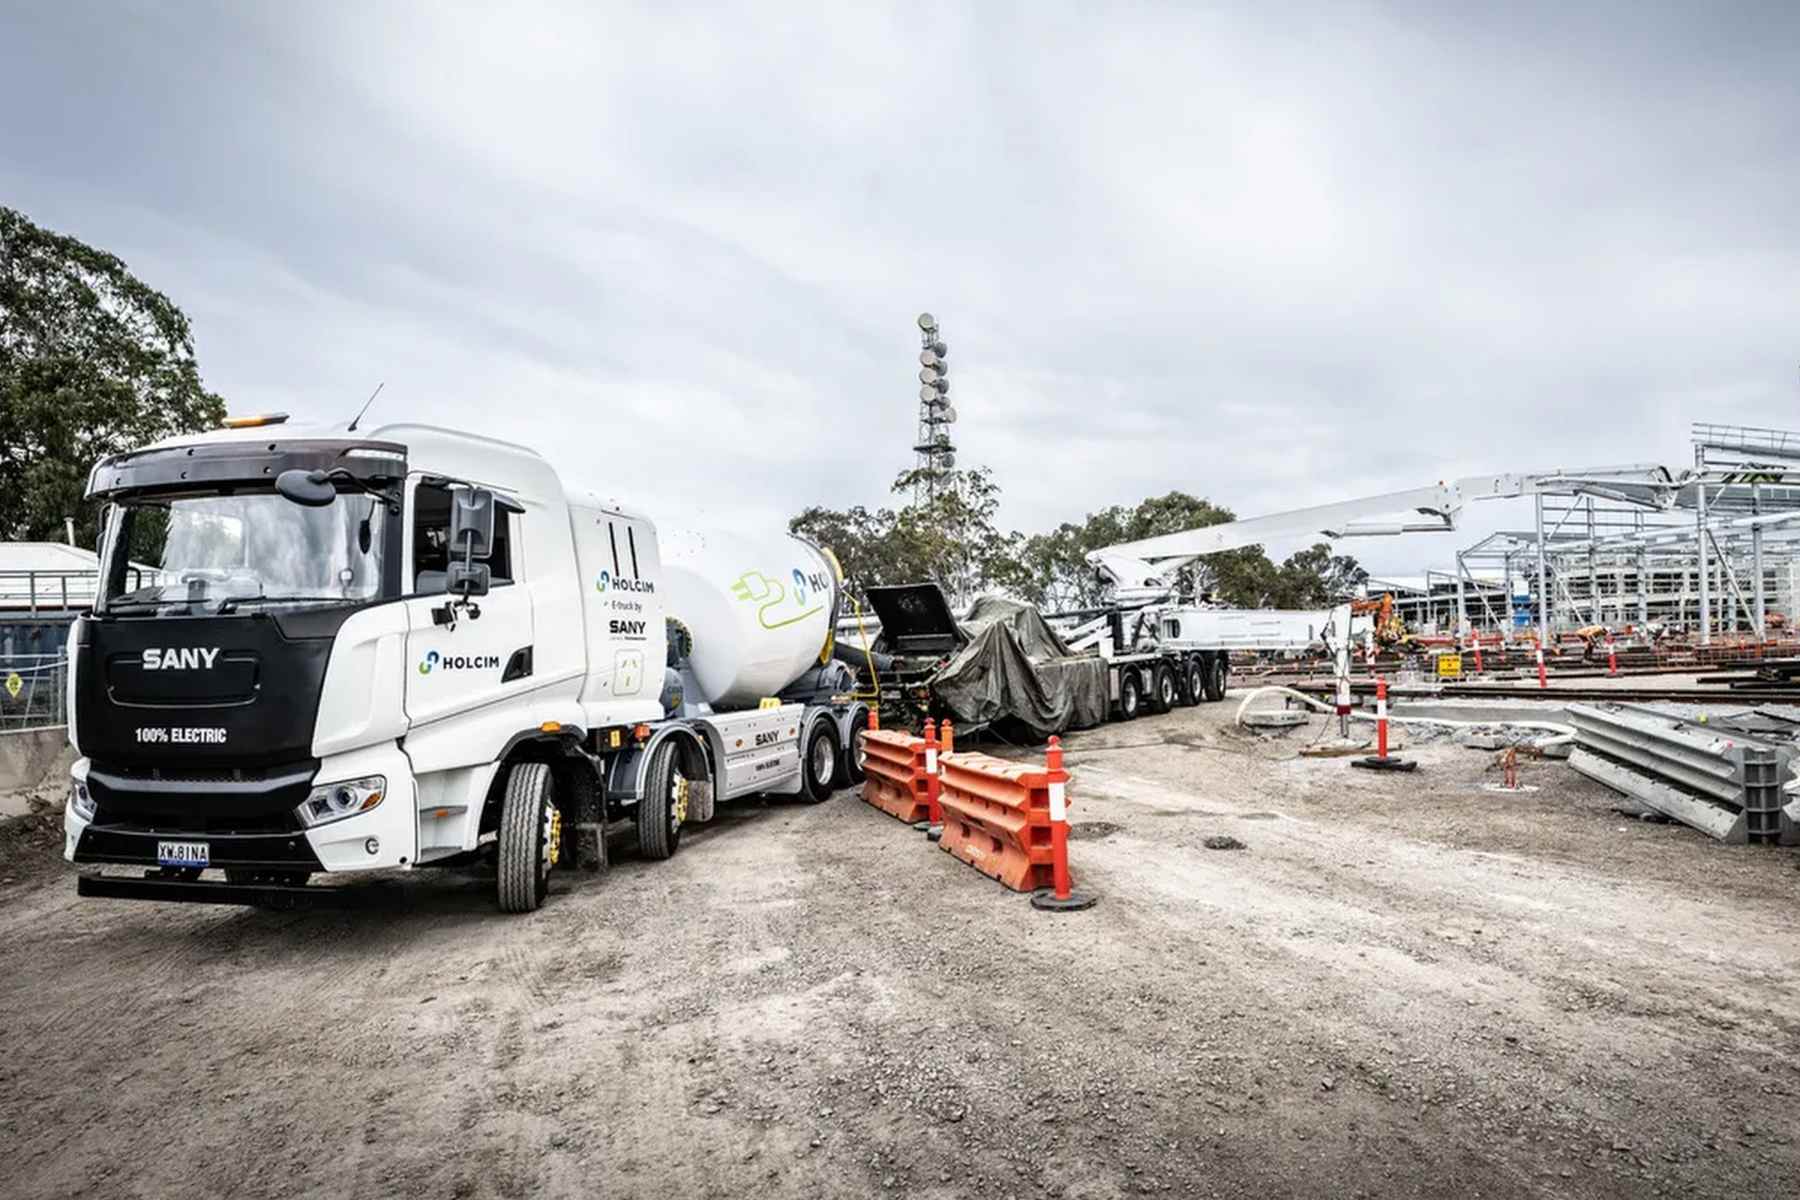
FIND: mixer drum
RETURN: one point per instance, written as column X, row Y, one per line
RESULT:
column 760, row 610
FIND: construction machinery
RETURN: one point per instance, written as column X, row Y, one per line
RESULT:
column 1386, row 628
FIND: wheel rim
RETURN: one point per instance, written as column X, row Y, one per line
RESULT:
column 678, row 800
column 824, row 758
column 551, row 842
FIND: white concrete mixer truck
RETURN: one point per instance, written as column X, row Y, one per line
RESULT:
column 330, row 651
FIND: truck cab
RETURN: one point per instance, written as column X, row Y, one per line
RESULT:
column 325, row 651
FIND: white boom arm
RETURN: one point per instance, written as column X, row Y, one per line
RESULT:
column 1142, row 571
column 1143, row 568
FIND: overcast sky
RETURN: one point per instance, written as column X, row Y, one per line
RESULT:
column 1271, row 254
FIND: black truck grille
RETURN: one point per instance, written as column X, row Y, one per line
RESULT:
column 225, row 800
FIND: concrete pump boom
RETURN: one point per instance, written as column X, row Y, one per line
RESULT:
column 1144, row 568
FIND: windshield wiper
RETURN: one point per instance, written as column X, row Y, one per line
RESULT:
column 233, row 601
column 134, row 605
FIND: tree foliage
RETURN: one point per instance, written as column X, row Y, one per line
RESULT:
column 92, row 362
column 1057, row 575
column 953, row 540
column 949, row 538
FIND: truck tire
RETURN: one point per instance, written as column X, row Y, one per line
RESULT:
column 819, row 765
column 853, row 773
column 1165, row 693
column 663, row 806
column 1193, row 681
column 1131, row 696
column 1216, row 669
column 530, row 830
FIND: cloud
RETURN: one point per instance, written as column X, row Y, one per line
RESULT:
column 1274, row 257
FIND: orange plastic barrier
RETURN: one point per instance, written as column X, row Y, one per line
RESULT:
column 997, row 817
column 894, row 774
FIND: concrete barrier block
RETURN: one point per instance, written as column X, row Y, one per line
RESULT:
column 1709, row 817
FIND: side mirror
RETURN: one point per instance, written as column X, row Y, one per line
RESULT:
column 467, row 579
column 309, row 488
column 471, row 523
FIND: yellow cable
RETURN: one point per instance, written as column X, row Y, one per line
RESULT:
column 874, row 676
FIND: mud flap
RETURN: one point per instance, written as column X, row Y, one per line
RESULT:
column 700, row 801
column 587, row 815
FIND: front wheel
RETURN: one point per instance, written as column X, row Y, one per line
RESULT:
column 663, row 807
column 819, row 765
column 530, row 837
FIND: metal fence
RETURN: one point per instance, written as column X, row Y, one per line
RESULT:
column 47, row 591
column 33, row 691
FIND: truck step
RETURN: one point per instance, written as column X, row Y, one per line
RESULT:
column 181, row 891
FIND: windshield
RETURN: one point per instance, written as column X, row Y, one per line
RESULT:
column 217, row 553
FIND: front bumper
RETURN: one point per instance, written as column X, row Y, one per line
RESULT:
column 97, row 843
column 380, row 839
column 184, row 891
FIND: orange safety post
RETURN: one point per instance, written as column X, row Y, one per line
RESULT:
column 874, row 718
column 1476, row 638
column 1380, row 716
column 934, row 828
column 1543, row 676
column 1612, row 657
column 1061, row 896
column 933, row 824
column 1382, row 761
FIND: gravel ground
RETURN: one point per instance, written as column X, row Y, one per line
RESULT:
column 1391, row 986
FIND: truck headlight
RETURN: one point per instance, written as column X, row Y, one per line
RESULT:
column 335, row 801
column 82, row 801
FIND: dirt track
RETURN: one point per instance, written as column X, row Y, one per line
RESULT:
column 1403, row 986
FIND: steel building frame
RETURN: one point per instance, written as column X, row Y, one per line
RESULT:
column 1705, row 549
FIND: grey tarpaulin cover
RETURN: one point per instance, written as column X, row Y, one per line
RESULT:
column 1015, row 666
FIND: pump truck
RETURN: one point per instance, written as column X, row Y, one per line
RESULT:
column 321, row 651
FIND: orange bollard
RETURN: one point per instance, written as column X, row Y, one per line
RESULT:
column 948, row 736
column 874, row 718
column 1061, row 895
column 1380, row 761
column 933, row 825
column 1543, row 675
column 1380, row 717
column 1612, row 658
column 1476, row 638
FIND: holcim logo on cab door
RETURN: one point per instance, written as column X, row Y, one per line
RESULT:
column 457, row 662
column 605, row 582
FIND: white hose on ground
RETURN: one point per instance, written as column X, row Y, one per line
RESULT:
column 1562, row 734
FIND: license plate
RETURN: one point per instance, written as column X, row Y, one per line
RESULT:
column 183, row 854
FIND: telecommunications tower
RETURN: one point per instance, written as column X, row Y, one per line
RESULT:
column 937, row 454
